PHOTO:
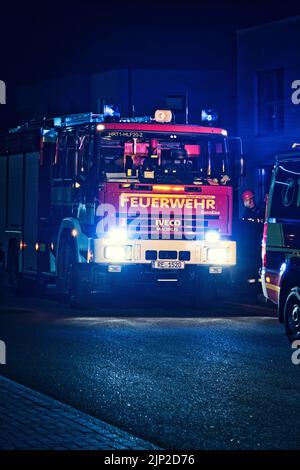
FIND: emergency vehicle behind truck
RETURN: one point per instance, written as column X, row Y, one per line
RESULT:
column 281, row 243
column 98, row 206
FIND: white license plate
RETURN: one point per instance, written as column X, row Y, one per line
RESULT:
column 215, row 270
column 168, row 264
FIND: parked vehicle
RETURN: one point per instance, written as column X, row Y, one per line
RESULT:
column 281, row 243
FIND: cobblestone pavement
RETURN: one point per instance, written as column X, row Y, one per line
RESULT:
column 30, row 420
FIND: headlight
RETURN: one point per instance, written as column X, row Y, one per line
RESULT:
column 217, row 255
column 117, row 253
column 117, row 235
column 212, row 236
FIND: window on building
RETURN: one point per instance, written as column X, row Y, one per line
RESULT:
column 263, row 178
column 270, row 100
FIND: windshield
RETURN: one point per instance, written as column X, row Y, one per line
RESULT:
column 161, row 158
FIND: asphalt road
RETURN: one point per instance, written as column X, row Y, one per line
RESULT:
column 180, row 378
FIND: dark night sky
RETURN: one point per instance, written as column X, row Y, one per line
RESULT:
column 68, row 37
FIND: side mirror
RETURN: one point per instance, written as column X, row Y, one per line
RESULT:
column 235, row 147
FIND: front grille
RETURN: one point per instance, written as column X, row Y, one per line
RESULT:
column 151, row 255
column 167, row 254
column 184, row 255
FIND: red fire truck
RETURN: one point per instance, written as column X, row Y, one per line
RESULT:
column 97, row 205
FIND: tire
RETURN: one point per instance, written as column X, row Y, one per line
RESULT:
column 80, row 293
column 292, row 314
column 69, row 280
column 66, row 260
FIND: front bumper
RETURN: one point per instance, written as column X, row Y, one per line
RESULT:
column 131, row 277
column 200, row 252
column 104, row 275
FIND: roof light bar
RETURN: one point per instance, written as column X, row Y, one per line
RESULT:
column 81, row 118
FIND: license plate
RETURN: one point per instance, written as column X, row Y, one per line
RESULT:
column 168, row 264
column 215, row 270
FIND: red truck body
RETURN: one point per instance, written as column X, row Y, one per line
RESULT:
column 210, row 205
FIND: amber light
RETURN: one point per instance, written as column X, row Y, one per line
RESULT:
column 168, row 188
column 90, row 256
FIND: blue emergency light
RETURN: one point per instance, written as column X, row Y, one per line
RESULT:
column 111, row 111
column 209, row 115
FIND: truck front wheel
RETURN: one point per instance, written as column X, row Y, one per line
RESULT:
column 80, row 291
column 292, row 314
column 65, row 261
column 69, row 281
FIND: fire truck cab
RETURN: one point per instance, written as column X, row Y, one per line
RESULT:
column 96, row 205
column 281, row 243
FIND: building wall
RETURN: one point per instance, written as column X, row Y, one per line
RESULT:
column 145, row 89
column 54, row 97
column 265, row 48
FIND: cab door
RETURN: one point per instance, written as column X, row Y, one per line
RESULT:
column 283, row 224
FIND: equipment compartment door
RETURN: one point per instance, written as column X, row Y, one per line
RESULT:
column 31, row 198
column 15, row 192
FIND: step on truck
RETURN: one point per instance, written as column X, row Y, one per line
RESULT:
column 98, row 205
